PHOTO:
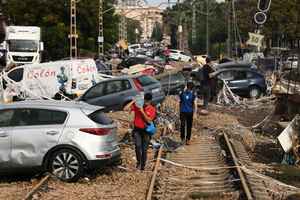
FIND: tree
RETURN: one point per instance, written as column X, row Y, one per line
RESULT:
column 157, row 34
column 183, row 14
column 54, row 19
column 132, row 26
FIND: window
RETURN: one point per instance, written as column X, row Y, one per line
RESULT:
column 96, row 91
column 146, row 80
column 226, row 76
column 5, row 117
column 126, row 85
column 240, row 75
column 16, row 74
column 113, row 87
column 173, row 78
column 33, row 117
column 23, row 45
column 250, row 75
column 100, row 118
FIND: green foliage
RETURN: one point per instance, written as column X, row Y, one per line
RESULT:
column 132, row 36
column 183, row 14
column 157, row 34
column 54, row 19
column 283, row 22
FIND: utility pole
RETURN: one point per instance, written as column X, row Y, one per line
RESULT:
column 125, row 28
column 207, row 28
column 180, row 28
column 123, row 23
column 73, row 32
column 194, row 27
column 100, row 33
column 228, row 28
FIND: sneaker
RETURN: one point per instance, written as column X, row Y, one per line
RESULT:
column 183, row 141
column 142, row 168
column 188, row 142
column 138, row 166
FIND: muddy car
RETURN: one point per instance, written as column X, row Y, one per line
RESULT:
column 64, row 138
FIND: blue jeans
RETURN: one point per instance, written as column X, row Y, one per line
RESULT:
column 141, row 141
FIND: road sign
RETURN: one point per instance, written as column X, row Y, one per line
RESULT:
column 100, row 39
column 260, row 18
column 255, row 39
column 264, row 5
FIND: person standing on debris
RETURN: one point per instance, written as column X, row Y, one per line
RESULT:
column 188, row 107
column 206, row 82
column 143, row 115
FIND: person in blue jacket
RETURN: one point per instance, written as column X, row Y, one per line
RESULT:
column 188, row 107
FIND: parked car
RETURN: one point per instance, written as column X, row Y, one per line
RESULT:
column 126, row 63
column 291, row 62
column 64, row 138
column 131, row 61
column 115, row 93
column 132, row 49
column 234, row 64
column 179, row 56
column 172, row 84
column 243, row 81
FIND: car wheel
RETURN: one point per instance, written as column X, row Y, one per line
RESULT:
column 66, row 165
column 254, row 92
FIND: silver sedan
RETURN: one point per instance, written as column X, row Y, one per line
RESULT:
column 64, row 138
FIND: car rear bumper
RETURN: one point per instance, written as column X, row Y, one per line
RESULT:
column 115, row 159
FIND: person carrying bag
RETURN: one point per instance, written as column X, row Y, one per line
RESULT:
column 144, row 127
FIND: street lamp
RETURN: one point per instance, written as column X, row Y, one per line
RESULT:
column 136, row 35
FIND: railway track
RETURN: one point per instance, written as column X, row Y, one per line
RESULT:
column 210, row 168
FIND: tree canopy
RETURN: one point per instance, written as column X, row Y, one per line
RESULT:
column 54, row 19
column 283, row 22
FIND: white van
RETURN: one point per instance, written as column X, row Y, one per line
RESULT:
column 45, row 80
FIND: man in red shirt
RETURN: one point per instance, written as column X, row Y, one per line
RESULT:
column 142, row 116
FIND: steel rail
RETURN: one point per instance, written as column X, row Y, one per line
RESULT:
column 153, row 179
column 236, row 163
column 36, row 188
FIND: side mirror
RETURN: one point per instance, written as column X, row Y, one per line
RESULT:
column 41, row 46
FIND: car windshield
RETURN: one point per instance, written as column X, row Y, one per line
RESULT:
column 146, row 80
column 23, row 45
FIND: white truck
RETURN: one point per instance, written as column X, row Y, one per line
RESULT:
column 23, row 45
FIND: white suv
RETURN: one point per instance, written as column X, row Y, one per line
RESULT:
column 64, row 138
column 179, row 56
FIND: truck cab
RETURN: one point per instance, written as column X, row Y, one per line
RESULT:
column 23, row 45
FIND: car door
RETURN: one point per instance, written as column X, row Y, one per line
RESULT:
column 115, row 94
column 94, row 95
column 240, row 82
column 5, row 139
column 35, row 132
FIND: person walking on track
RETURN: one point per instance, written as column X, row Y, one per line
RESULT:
column 144, row 114
column 188, row 107
column 207, row 82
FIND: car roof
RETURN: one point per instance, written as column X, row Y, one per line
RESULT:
column 235, row 64
column 237, row 69
column 61, row 105
column 123, row 77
